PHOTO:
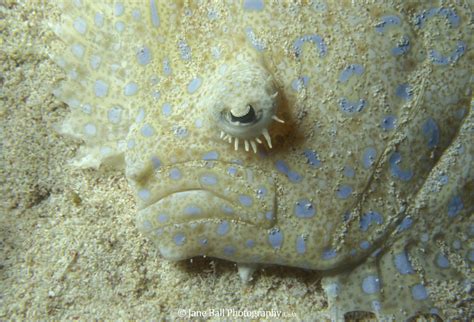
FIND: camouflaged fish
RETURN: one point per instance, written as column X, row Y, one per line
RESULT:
column 331, row 135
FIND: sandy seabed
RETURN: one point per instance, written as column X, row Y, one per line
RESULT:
column 69, row 248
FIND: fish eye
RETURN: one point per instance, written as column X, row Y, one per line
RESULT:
column 248, row 117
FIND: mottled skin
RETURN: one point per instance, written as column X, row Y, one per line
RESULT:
column 367, row 179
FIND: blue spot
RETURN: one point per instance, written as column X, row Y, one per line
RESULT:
column 156, row 162
column 261, row 192
column 404, row 91
column 229, row 250
column 162, row 218
column 179, row 239
column 313, row 159
column 144, row 56
column 166, row 67
column 257, row 44
column 349, row 171
column 304, row 209
column 275, row 237
column 371, row 284
column 78, row 50
column 438, row 59
column 405, row 224
column 402, row 47
column 442, row 261
column 449, row 14
column 155, row 19
column 232, row 171
column 368, row 218
column 388, row 122
column 269, row 215
column 253, row 5
column 194, row 85
column 119, row 8
column 299, row 83
column 402, row 263
column 315, row 39
column 344, row 192
column 144, row 194
column 80, row 25
column 212, row 155
column 192, row 210
column 227, row 209
column 329, row 254
column 395, row 169
column 245, row 200
column 130, row 89
column 250, row 243
column 368, row 157
column 300, row 245
column 350, row 107
column 223, row 228
column 99, row 19
column 282, row 167
column 175, row 174
column 455, row 206
column 101, row 88
column 431, row 132
column 184, row 50
column 203, row 241
column 208, row 180
column 114, row 114
column 470, row 255
column 364, row 244
column 348, row 72
column 166, row 109
column 147, row 130
column 386, row 22
column 119, row 26
column 419, row 292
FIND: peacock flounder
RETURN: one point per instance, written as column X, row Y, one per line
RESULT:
column 329, row 135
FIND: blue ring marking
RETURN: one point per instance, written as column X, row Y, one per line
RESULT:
column 304, row 209
column 431, row 132
column 232, row 171
column 223, row 228
column 438, row 59
column 455, row 206
column 405, row 224
column 386, row 22
column 351, row 107
column 175, row 174
column 179, row 239
column 395, row 169
column 402, row 47
column 388, row 122
column 402, row 263
column 344, row 192
column 275, row 237
column 194, row 85
column 313, row 158
column 404, row 91
column 368, row 157
column 211, row 155
column 253, row 5
column 371, row 284
column 328, row 254
column 300, row 245
column 315, row 39
column 349, row 71
column 449, row 14
column 368, row 218
column 418, row 292
column 144, row 56
column 442, row 261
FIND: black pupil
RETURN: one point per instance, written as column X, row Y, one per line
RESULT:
column 247, row 118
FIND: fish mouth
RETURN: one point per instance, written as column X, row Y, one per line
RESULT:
column 201, row 198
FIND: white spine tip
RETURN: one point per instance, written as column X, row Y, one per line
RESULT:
column 267, row 137
column 246, row 145
column 254, row 146
column 236, row 144
column 277, row 119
